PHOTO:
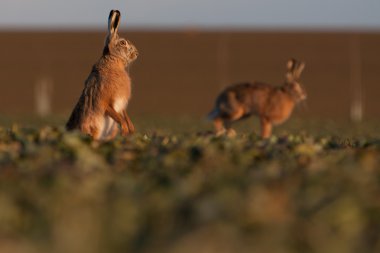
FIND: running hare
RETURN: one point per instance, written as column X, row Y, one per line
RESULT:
column 101, row 108
column 273, row 105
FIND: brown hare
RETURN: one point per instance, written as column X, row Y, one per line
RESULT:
column 101, row 108
column 272, row 104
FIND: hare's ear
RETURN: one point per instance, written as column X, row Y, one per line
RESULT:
column 299, row 69
column 290, row 64
column 113, row 22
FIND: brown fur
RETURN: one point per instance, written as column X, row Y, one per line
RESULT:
column 101, row 108
column 272, row 104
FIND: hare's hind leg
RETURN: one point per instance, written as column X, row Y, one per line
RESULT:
column 94, row 132
column 219, row 126
column 266, row 128
column 223, row 126
column 236, row 114
column 127, row 119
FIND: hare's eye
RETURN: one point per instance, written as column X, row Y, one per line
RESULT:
column 123, row 43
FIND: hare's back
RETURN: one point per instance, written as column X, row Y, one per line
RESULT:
column 249, row 94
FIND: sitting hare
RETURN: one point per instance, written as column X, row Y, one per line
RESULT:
column 273, row 105
column 101, row 108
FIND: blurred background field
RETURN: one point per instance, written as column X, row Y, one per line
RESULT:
column 181, row 72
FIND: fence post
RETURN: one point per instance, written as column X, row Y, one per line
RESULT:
column 356, row 85
column 43, row 90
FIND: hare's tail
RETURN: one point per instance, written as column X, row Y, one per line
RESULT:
column 222, row 110
column 213, row 114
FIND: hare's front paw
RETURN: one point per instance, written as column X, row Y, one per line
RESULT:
column 231, row 133
column 220, row 132
column 124, row 130
column 131, row 128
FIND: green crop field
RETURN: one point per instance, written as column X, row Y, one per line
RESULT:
column 174, row 187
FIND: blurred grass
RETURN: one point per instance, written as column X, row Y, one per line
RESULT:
column 173, row 187
column 189, row 124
